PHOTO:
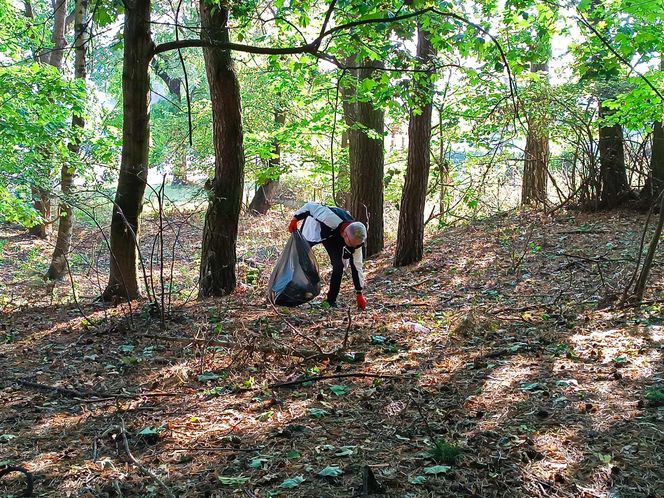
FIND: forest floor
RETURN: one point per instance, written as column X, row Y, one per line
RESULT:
column 498, row 366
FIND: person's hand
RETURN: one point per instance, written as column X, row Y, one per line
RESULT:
column 361, row 301
column 292, row 226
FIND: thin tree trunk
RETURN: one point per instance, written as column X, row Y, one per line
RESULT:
column 218, row 254
column 410, row 235
column 536, row 157
column 657, row 160
column 262, row 200
column 42, row 196
column 366, row 159
column 614, row 188
column 59, row 42
column 138, row 46
column 65, row 211
column 655, row 182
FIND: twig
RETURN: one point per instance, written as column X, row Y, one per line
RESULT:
column 345, row 343
column 333, row 376
column 141, row 467
column 625, row 293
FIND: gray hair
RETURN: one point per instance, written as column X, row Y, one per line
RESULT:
column 357, row 232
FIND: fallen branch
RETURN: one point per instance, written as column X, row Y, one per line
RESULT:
column 333, row 376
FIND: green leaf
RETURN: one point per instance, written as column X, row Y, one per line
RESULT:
column 340, row 389
column 149, row 431
column 293, row 482
column 417, row 480
column 437, row 469
column 318, row 412
column 331, row 471
column 345, row 451
column 265, row 416
column 531, row 386
column 205, row 376
column 257, row 462
column 233, row 481
column 293, row 455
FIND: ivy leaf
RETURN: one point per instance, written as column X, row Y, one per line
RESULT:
column 293, row 455
column 318, row 412
column 417, row 480
column 437, row 469
column 339, row 389
column 345, row 451
column 205, row 376
column 293, row 482
column 331, row 471
column 233, row 481
column 257, row 462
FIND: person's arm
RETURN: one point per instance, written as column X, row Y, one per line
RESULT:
column 356, row 268
column 320, row 213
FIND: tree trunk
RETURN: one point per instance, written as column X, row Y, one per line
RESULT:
column 657, row 160
column 138, row 46
column 614, row 187
column 65, row 211
column 366, row 162
column 536, row 158
column 410, row 235
column 42, row 196
column 655, row 182
column 262, row 200
column 42, row 204
column 217, row 272
column 59, row 42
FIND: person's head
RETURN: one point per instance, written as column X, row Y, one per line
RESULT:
column 355, row 234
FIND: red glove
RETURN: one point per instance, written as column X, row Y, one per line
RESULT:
column 293, row 225
column 361, row 301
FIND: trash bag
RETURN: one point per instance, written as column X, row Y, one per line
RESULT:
column 295, row 279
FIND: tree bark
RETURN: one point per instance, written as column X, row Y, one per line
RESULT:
column 655, row 182
column 366, row 159
column 42, row 203
column 262, row 200
column 410, row 235
column 217, row 271
column 59, row 42
column 42, row 196
column 65, row 211
column 657, row 160
column 138, row 47
column 614, row 188
column 536, row 158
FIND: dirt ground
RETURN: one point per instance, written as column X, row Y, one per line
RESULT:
column 500, row 365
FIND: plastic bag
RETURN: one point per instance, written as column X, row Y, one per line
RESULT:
column 295, row 279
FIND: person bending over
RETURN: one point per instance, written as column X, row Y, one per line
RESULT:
column 342, row 237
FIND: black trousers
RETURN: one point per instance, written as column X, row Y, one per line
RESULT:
column 335, row 250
